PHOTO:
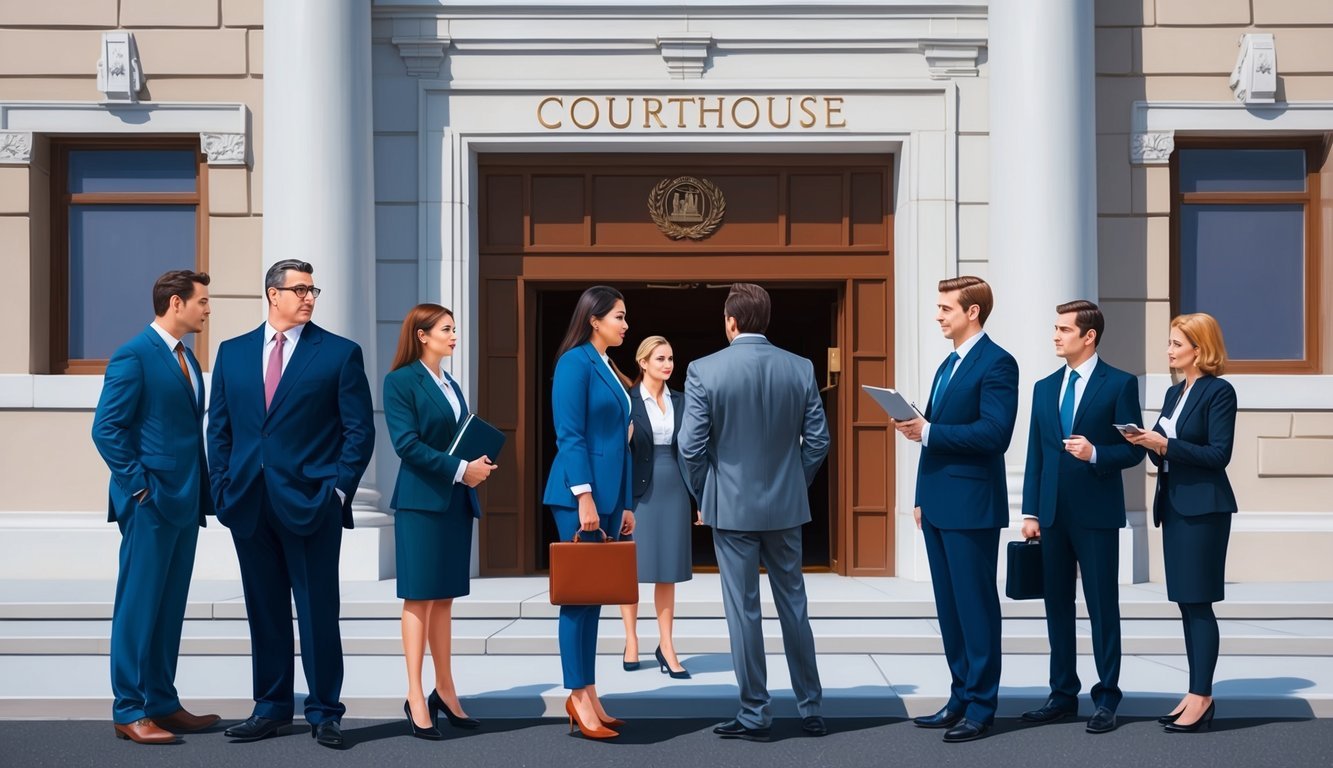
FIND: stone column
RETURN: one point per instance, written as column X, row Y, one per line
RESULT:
column 318, row 166
column 1043, row 184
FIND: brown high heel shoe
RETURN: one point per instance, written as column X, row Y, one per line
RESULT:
column 596, row 732
column 611, row 721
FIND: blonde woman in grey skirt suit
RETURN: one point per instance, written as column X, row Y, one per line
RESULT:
column 663, row 508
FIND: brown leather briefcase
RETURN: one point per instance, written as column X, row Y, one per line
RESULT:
column 593, row 572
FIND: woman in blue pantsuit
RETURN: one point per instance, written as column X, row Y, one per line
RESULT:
column 435, row 502
column 1191, row 446
column 589, row 485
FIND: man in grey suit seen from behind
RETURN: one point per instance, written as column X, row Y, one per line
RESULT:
column 752, row 437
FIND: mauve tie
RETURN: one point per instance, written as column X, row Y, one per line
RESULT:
column 274, row 372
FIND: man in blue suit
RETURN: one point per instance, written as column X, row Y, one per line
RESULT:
column 290, row 433
column 962, row 501
column 149, row 430
column 1074, row 501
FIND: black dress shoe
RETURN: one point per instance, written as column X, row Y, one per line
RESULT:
column 1102, row 721
column 257, row 728
column 967, row 730
column 945, row 718
column 732, row 729
column 328, row 734
column 814, row 725
column 1050, row 712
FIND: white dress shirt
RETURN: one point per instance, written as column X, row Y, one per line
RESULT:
column 446, row 388
column 962, row 351
column 171, row 342
column 663, row 422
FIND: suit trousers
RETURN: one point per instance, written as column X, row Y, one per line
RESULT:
column 962, row 571
column 1096, row 553
column 278, row 568
column 577, row 628
column 739, row 555
column 156, row 561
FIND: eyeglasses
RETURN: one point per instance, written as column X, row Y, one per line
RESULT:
column 301, row 290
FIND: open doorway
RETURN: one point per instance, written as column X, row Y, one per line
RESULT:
column 804, row 321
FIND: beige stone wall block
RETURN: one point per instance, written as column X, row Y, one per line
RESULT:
column 228, row 191
column 243, row 13
column 1299, row 555
column 66, row 13
column 51, row 88
column 1157, row 317
column 14, row 297
column 49, row 51
column 1296, row 457
column 1124, row 335
column 256, row 46
column 1114, row 51
column 1307, row 50
column 1115, row 99
column 1195, row 13
column 1259, row 424
column 1113, row 195
column 1121, row 261
column 1159, row 257
column 1192, row 50
column 1151, row 186
column 1211, row 87
column 1318, row 424
column 168, row 13
column 1306, row 87
column 191, row 52
column 1124, row 13
column 234, row 316
column 47, row 462
column 1292, row 12
column 235, row 244
column 14, row 189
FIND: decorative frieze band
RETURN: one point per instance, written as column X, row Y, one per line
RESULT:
column 223, row 148
column 15, row 147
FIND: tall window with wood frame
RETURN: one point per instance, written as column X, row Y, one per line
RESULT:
column 1245, row 247
column 122, row 214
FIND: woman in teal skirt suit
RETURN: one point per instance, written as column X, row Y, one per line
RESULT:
column 435, row 505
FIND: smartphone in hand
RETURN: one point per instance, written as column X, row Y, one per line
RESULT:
column 1128, row 430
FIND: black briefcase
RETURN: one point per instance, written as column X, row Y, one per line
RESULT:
column 1024, row 580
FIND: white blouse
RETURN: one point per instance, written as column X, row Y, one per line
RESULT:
column 1168, row 423
column 663, row 422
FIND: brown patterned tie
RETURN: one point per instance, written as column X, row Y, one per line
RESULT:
column 180, row 357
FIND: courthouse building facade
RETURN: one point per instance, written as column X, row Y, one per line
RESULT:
column 1158, row 156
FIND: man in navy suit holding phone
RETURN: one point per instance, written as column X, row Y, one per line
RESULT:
column 1074, row 501
column 149, row 430
column 962, row 501
column 290, row 432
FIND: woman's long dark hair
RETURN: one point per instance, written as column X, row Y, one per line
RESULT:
column 596, row 301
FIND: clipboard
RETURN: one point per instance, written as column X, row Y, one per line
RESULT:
column 475, row 439
column 893, row 403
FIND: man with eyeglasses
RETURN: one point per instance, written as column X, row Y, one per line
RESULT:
column 291, row 430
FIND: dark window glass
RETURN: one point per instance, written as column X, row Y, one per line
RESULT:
column 123, row 170
column 1242, row 170
column 1245, row 265
column 115, row 254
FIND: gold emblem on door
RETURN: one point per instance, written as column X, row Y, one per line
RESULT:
column 686, row 207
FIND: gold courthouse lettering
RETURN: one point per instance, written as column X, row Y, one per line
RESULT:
column 794, row 112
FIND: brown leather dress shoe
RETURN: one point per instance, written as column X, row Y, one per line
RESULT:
column 181, row 721
column 144, row 731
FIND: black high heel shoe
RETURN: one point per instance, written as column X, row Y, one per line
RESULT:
column 630, row 666
column 1204, row 722
column 430, row 734
column 437, row 705
column 683, row 674
column 1169, row 719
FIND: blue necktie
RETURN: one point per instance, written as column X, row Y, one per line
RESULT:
column 943, row 383
column 1067, row 405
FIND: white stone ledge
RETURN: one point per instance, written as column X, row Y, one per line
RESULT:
column 223, row 128
column 1256, row 392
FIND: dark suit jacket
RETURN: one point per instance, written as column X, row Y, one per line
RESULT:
column 960, row 480
column 317, row 435
column 422, row 425
column 591, row 415
column 1198, row 456
column 641, row 445
column 149, row 430
column 1085, row 495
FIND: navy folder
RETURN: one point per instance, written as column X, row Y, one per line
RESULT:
column 475, row 439
column 1024, row 580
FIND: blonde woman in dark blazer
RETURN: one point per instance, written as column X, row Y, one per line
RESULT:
column 436, row 503
column 1191, row 446
column 662, row 503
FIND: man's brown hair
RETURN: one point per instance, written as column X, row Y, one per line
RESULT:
column 1088, row 317
column 972, row 290
column 750, row 306
column 177, row 282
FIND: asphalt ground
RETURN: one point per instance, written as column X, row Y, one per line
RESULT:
column 1140, row 743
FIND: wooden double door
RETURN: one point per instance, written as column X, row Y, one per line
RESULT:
column 816, row 231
